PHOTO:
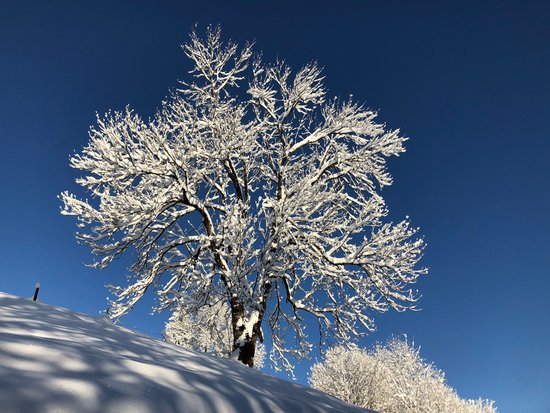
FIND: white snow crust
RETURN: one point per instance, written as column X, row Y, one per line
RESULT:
column 56, row 360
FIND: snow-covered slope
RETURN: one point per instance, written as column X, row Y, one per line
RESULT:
column 56, row 360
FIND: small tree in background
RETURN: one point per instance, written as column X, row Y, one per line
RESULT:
column 208, row 330
column 391, row 378
column 265, row 197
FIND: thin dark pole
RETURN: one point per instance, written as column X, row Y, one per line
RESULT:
column 37, row 286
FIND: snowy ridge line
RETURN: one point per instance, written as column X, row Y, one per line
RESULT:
column 53, row 359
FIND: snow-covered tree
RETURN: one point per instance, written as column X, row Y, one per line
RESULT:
column 391, row 378
column 251, row 186
column 207, row 330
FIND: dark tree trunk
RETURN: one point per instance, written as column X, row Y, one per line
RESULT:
column 246, row 348
column 247, row 352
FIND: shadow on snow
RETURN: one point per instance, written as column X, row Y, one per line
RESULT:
column 53, row 359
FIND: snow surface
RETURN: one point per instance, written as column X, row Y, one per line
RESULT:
column 55, row 360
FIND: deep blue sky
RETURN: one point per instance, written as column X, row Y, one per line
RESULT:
column 468, row 82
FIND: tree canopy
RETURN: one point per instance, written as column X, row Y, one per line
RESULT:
column 250, row 186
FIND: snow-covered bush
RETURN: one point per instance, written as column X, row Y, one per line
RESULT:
column 208, row 330
column 391, row 378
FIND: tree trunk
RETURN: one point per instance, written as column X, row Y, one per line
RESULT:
column 244, row 342
column 247, row 352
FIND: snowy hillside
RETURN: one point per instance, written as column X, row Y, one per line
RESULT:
column 56, row 360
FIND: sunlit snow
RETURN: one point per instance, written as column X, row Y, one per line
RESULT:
column 56, row 360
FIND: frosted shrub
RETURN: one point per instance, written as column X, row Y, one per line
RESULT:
column 391, row 378
column 208, row 331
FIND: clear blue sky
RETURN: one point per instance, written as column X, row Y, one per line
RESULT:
column 467, row 81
